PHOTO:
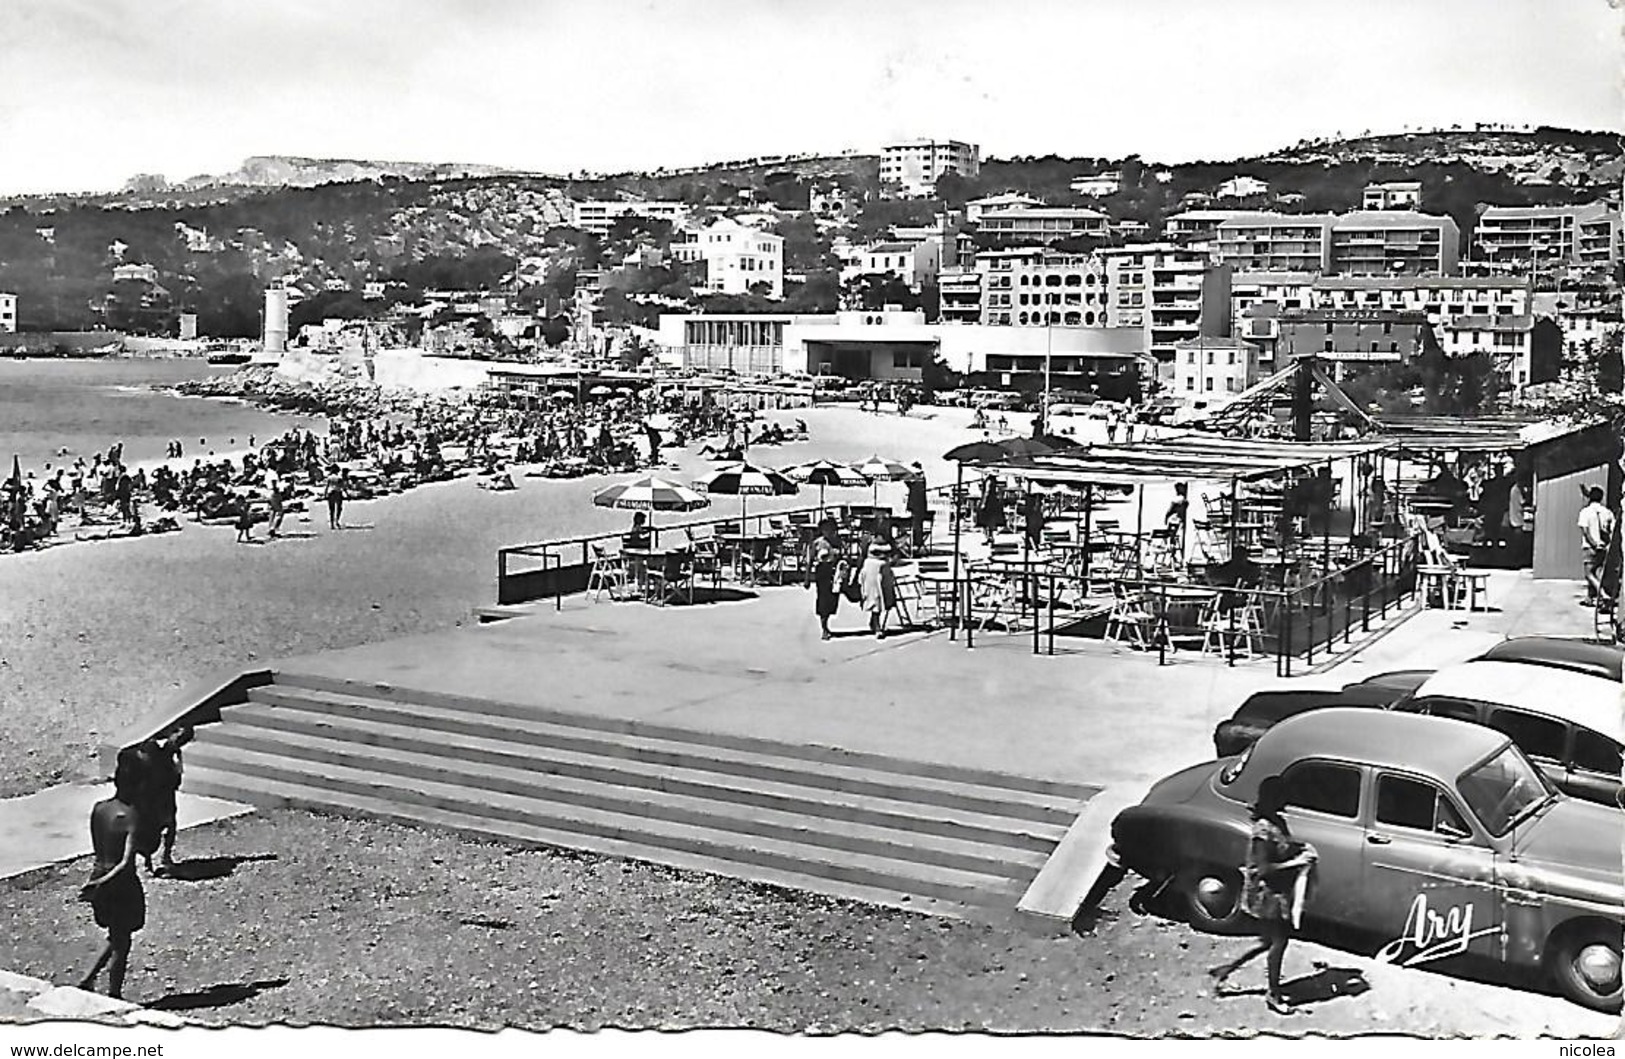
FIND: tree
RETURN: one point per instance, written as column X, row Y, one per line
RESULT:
column 819, row 293
column 953, row 190
column 873, row 291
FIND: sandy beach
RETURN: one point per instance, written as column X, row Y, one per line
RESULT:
column 92, row 636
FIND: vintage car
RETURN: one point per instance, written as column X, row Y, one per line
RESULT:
column 1567, row 722
column 1557, row 652
column 1437, row 837
column 1264, row 710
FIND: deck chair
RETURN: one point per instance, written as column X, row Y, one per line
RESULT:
column 1131, row 619
column 608, row 574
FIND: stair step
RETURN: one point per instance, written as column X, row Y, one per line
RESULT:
column 380, row 728
column 642, row 802
column 1065, row 791
column 1058, row 811
column 233, row 772
column 274, row 793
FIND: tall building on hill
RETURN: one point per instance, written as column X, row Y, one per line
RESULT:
column 912, row 169
column 1392, row 195
column 1548, row 237
column 598, row 216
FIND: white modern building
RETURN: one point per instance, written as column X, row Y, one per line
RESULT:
column 1275, row 242
column 975, row 209
column 1041, row 225
column 1034, row 287
column 8, row 313
column 899, row 345
column 1171, row 292
column 1392, row 195
column 1097, row 185
column 598, row 216
column 1242, row 187
column 1542, row 237
column 736, row 257
column 1393, row 243
column 912, row 169
column 912, row 263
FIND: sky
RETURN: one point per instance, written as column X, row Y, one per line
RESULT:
column 94, row 91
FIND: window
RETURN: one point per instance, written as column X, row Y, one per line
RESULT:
column 1190, row 383
column 1208, row 384
column 1403, row 802
column 1210, row 356
column 1539, row 737
column 1595, row 753
column 1232, row 356
column 1324, row 788
column 1230, row 384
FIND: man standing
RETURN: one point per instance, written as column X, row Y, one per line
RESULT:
column 918, row 507
column 114, row 890
column 1596, row 537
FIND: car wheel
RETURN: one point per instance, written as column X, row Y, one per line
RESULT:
column 1586, row 966
column 1210, row 899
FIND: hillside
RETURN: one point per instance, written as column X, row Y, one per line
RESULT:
column 213, row 245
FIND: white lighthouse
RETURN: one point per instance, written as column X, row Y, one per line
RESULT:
column 274, row 342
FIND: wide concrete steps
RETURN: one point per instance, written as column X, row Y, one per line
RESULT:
column 913, row 835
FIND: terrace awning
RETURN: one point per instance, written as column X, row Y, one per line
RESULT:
column 1184, row 456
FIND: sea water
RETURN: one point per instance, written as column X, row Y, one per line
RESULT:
column 86, row 406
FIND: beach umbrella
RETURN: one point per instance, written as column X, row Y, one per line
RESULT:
column 824, row 473
column 561, row 395
column 650, row 493
column 877, row 469
column 745, row 480
column 600, row 391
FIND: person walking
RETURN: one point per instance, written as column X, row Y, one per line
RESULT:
column 918, row 507
column 1268, row 888
column 1596, row 524
column 335, row 497
column 155, row 802
column 826, row 571
column 878, row 584
column 276, row 507
column 114, row 890
column 990, row 508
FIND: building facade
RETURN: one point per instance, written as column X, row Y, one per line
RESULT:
column 913, row 263
column 1172, row 293
column 1392, row 195
column 8, row 313
column 1035, row 287
column 1275, row 242
column 912, row 169
column 598, row 216
column 736, row 257
column 959, row 293
column 1097, row 185
column 1040, row 225
column 1207, row 368
column 975, row 209
column 1352, row 335
column 1393, row 243
column 1542, row 238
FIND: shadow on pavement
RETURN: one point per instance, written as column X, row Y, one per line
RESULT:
column 215, row 996
column 199, row 869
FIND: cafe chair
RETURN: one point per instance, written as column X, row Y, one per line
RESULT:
column 1226, row 632
column 1131, row 620
column 705, row 560
column 608, row 574
column 669, row 580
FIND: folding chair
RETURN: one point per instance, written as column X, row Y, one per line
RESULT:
column 1131, row 620
column 608, row 574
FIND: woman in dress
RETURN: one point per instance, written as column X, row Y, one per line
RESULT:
column 1269, row 879
column 879, row 586
column 825, row 571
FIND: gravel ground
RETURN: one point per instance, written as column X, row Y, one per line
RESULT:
column 312, row 918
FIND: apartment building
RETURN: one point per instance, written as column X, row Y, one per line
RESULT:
column 1196, row 226
column 1173, row 293
column 959, row 293
column 1275, row 242
column 1510, row 340
column 1584, row 327
column 1242, row 187
column 1549, row 237
column 913, row 263
column 8, row 313
column 1439, row 298
column 736, row 257
column 1392, row 195
column 598, row 216
column 1352, row 335
column 1034, row 286
column 975, row 209
column 1205, row 367
column 1040, row 225
column 912, row 169
column 1393, row 242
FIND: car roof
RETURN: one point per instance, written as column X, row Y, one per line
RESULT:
column 1574, row 697
column 1433, row 746
column 1580, row 656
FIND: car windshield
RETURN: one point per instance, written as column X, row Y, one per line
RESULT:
column 1503, row 789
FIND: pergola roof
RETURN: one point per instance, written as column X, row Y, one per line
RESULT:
column 1477, row 434
column 1182, row 456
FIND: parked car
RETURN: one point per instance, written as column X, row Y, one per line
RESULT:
column 1577, row 656
column 1384, row 689
column 1263, row 711
column 1438, row 837
column 1568, row 723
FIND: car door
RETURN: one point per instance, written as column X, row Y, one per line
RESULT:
column 1544, row 740
column 1593, row 768
column 1323, row 808
column 1428, row 875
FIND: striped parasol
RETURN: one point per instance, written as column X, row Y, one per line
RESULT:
column 824, row 473
column 878, row 469
column 650, row 494
column 745, row 479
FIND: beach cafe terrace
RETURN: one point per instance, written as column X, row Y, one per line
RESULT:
column 1285, row 555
